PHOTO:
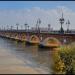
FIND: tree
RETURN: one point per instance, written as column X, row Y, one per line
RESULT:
column 58, row 66
column 64, row 57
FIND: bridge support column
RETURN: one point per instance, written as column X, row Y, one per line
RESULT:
column 24, row 43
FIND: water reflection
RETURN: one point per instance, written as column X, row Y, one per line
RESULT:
column 31, row 53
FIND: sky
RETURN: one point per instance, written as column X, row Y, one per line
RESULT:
column 30, row 4
column 12, row 12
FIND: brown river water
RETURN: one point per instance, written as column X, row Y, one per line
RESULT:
column 18, row 58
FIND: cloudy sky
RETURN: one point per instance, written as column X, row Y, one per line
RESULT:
column 12, row 12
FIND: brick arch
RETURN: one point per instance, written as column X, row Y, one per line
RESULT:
column 23, row 37
column 51, row 41
column 34, row 39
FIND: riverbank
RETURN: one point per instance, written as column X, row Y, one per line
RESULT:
column 10, row 64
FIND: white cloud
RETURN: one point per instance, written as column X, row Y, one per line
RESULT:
column 11, row 17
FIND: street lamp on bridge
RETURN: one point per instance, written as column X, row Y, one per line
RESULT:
column 38, row 24
column 2, row 27
column 28, row 27
column 7, row 27
column 25, row 26
column 49, row 27
column 11, row 27
column 17, row 25
column 68, row 23
column 61, row 22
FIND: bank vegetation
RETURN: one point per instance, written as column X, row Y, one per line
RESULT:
column 64, row 59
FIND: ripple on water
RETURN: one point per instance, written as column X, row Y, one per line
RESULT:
column 30, row 55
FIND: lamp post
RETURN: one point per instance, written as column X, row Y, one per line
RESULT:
column 17, row 25
column 25, row 26
column 49, row 27
column 38, row 24
column 2, row 27
column 68, row 23
column 28, row 27
column 7, row 27
column 61, row 22
column 11, row 27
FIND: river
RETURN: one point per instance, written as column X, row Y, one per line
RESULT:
column 18, row 58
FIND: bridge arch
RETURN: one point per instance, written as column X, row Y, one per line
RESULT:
column 20, row 36
column 23, row 37
column 51, row 42
column 34, row 39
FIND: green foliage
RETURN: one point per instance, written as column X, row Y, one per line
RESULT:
column 65, row 57
column 58, row 65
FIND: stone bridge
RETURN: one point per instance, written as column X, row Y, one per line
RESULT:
column 39, row 38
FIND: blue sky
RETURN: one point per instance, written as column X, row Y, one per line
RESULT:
column 29, row 11
column 41, row 4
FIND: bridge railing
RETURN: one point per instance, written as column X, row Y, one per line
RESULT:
column 35, row 31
